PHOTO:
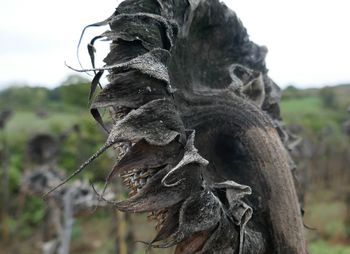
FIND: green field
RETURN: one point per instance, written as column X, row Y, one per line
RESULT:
column 310, row 113
column 322, row 247
column 27, row 123
column 303, row 105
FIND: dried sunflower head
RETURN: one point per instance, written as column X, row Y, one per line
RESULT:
column 198, row 120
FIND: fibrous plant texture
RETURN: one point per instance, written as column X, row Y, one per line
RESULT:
column 197, row 128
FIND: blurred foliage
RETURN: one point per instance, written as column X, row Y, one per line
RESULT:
column 24, row 97
column 316, row 108
column 320, row 113
column 15, row 174
column 53, row 111
column 32, row 217
column 71, row 94
column 322, row 247
column 328, row 97
column 291, row 92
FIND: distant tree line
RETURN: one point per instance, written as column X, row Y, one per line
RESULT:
column 327, row 94
column 71, row 93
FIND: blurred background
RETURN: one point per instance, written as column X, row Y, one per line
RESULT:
column 45, row 125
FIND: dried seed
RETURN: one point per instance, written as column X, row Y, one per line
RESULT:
column 128, row 174
column 142, row 181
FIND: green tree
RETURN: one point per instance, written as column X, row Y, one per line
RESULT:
column 328, row 97
column 72, row 92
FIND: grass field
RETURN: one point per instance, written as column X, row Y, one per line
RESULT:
column 322, row 247
column 301, row 105
column 27, row 123
column 325, row 214
column 310, row 113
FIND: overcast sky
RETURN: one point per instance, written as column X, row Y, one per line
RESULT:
column 308, row 40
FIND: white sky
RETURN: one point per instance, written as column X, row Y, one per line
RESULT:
column 308, row 40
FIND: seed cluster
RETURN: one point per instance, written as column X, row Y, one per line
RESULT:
column 158, row 216
column 135, row 180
